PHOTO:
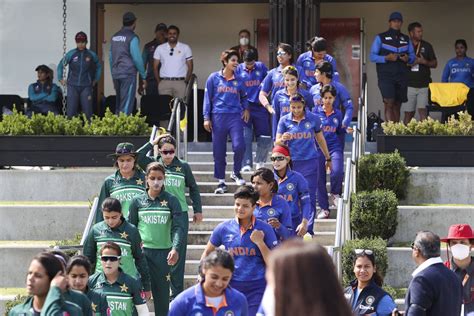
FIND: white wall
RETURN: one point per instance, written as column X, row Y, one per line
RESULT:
column 443, row 23
column 31, row 34
column 207, row 28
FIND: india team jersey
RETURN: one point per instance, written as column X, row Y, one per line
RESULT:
column 302, row 143
column 294, row 189
column 279, row 209
column 121, row 296
column 342, row 102
column 252, row 79
column 459, row 70
column 274, row 81
column 307, row 63
column 249, row 263
column 332, row 128
column 121, row 189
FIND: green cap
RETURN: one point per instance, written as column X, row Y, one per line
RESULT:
column 124, row 149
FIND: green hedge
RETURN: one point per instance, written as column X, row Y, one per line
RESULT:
column 378, row 245
column 19, row 299
column 383, row 171
column 50, row 124
column 454, row 127
column 374, row 214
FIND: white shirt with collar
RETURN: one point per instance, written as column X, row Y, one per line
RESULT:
column 173, row 60
column 426, row 264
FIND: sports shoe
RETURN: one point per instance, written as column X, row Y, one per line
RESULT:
column 237, row 177
column 246, row 168
column 333, row 199
column 221, row 188
column 323, row 214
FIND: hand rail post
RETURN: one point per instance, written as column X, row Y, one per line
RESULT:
column 90, row 220
column 195, row 111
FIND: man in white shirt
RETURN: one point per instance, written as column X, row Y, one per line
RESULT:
column 176, row 61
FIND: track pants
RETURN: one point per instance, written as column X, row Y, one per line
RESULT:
column 79, row 98
column 177, row 271
column 160, row 279
column 259, row 123
column 125, row 89
column 309, row 170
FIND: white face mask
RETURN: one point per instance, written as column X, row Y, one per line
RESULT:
column 244, row 41
column 268, row 302
column 157, row 184
column 460, row 251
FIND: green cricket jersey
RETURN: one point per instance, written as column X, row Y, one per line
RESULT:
column 98, row 302
column 178, row 177
column 121, row 296
column 122, row 189
column 159, row 221
column 133, row 260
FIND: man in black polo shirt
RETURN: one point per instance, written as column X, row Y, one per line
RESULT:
column 419, row 75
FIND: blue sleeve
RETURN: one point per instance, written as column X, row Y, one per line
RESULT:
column 299, row 61
column 53, row 96
column 421, row 297
column 286, row 227
column 98, row 66
column 267, row 83
column 374, row 51
column 333, row 63
column 208, row 95
column 276, row 116
column 145, row 57
column 308, row 99
column 281, row 127
column 245, row 306
column 244, row 102
column 446, row 71
column 346, row 101
column 60, row 68
column 216, row 238
column 318, row 124
column 178, row 306
column 411, row 53
column 32, row 95
column 305, row 201
column 385, row 306
column 137, row 57
column 270, row 238
column 264, row 70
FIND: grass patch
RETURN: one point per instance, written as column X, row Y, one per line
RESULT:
column 12, row 291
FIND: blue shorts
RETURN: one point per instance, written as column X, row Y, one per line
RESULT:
column 393, row 87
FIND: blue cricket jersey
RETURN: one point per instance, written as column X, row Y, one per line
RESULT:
column 342, row 102
column 277, row 208
column 281, row 105
column 302, row 143
column 252, row 79
column 274, row 81
column 307, row 63
column 193, row 302
column 39, row 93
column 459, row 71
column 248, row 260
column 332, row 127
column 223, row 96
column 293, row 187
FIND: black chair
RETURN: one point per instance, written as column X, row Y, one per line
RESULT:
column 446, row 112
column 156, row 108
column 11, row 101
column 110, row 102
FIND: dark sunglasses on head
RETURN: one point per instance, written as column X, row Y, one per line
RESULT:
column 363, row 251
column 277, row 158
column 171, row 51
column 167, row 152
column 109, row 258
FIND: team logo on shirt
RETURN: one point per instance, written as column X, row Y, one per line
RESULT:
column 307, row 125
column 88, row 59
column 229, row 313
column 290, row 186
column 369, row 300
column 258, row 73
column 271, row 212
column 335, row 121
column 307, row 64
column 235, row 83
column 76, row 58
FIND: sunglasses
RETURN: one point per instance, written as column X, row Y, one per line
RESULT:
column 412, row 246
column 277, row 158
column 171, row 51
column 109, row 258
column 363, row 251
column 167, row 152
column 281, row 53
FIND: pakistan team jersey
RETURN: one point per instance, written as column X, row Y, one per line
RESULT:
column 128, row 238
column 277, row 208
column 121, row 296
column 159, row 220
column 178, row 177
column 122, row 189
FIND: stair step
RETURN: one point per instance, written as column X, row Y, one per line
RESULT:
column 210, row 186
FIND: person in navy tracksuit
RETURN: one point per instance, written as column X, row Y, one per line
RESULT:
column 43, row 94
column 392, row 51
column 252, row 72
column 225, row 106
column 84, row 72
column 331, row 121
column 302, row 130
column 281, row 99
column 293, row 187
column 309, row 60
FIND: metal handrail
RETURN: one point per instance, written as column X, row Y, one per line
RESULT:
column 195, row 110
column 175, row 119
column 90, row 220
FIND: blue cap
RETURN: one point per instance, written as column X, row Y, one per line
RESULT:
column 395, row 16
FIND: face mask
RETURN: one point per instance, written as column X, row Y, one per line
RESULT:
column 244, row 41
column 157, row 184
column 460, row 251
column 268, row 302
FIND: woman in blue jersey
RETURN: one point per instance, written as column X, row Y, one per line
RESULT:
column 225, row 105
column 461, row 67
column 365, row 294
column 301, row 130
column 271, row 207
column 281, row 99
column 274, row 80
column 249, row 241
column 212, row 296
column 293, row 187
column 331, row 120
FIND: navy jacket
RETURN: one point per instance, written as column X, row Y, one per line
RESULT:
column 434, row 291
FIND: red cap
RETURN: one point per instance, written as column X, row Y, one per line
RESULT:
column 81, row 37
column 459, row 231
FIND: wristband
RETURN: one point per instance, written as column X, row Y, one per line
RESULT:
column 328, row 160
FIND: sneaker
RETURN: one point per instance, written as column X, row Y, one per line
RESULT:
column 237, row 177
column 246, row 168
column 323, row 214
column 260, row 165
column 333, row 199
column 221, row 189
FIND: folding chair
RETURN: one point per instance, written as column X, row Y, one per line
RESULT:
column 447, row 98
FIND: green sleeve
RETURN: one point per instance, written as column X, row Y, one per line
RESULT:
column 104, row 193
column 133, row 213
column 193, row 188
column 90, row 248
column 177, row 225
column 142, row 159
column 140, row 261
column 86, row 305
column 54, row 302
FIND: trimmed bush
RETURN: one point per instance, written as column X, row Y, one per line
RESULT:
column 374, row 214
column 383, row 171
column 19, row 299
column 377, row 245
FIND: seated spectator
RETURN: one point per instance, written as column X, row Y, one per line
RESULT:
column 461, row 67
column 365, row 293
column 459, row 240
column 43, row 94
column 244, row 44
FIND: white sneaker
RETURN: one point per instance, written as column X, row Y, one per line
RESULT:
column 260, row 165
column 246, row 168
column 237, row 177
column 323, row 214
